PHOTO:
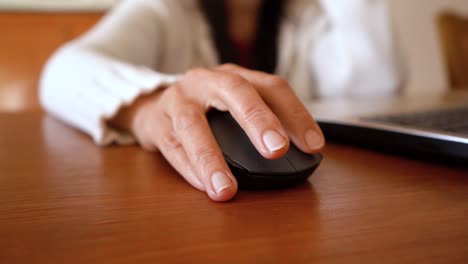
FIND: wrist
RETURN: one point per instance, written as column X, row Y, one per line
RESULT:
column 128, row 117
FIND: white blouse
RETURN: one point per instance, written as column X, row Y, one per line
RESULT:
column 327, row 48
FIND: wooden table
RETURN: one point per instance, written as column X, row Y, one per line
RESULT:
column 64, row 200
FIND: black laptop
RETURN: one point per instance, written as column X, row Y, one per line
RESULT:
column 421, row 126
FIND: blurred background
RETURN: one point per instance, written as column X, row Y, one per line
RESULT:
column 32, row 29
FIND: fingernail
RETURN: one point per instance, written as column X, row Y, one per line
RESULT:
column 314, row 140
column 220, row 181
column 273, row 140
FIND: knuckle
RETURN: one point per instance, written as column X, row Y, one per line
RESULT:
column 229, row 66
column 187, row 118
column 173, row 93
column 299, row 114
column 168, row 142
column 232, row 82
column 205, row 157
column 195, row 72
column 255, row 113
column 277, row 82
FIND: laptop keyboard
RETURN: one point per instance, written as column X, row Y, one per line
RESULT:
column 448, row 120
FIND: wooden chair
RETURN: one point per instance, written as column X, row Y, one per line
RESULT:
column 453, row 31
column 27, row 40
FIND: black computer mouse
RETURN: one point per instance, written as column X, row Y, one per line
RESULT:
column 252, row 170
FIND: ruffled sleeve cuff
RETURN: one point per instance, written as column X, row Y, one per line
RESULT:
column 95, row 91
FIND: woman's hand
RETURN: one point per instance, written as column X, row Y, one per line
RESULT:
column 174, row 122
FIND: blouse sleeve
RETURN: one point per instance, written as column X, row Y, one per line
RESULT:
column 87, row 81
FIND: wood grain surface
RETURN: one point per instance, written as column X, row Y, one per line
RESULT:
column 65, row 200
